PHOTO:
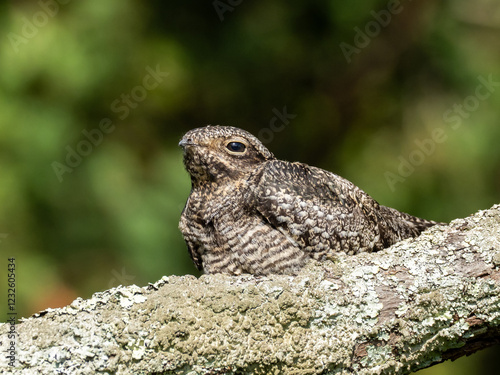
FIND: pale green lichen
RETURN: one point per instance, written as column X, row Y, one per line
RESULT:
column 308, row 324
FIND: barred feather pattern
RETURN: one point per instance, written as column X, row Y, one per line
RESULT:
column 249, row 212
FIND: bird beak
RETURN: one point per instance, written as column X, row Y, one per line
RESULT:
column 186, row 142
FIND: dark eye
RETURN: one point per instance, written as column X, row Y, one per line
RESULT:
column 236, row 147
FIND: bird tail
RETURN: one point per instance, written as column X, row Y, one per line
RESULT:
column 405, row 225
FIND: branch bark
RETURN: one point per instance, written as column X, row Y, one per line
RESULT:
column 408, row 307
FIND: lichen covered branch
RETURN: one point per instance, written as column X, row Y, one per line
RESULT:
column 404, row 308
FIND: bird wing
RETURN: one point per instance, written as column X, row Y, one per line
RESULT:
column 320, row 210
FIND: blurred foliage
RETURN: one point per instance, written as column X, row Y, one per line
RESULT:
column 111, row 218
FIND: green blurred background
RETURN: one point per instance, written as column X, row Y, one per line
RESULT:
column 366, row 84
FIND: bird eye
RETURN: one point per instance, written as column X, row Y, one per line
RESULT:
column 236, row 147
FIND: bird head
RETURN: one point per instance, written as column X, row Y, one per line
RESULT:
column 221, row 153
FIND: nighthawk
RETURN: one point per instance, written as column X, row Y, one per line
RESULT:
column 249, row 212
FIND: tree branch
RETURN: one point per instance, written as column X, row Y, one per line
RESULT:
column 408, row 307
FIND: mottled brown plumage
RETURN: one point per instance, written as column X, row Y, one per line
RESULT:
column 251, row 213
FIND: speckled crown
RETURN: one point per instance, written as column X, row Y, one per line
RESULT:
column 217, row 131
